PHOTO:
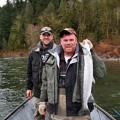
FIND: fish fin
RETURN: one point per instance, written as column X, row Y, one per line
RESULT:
column 93, row 80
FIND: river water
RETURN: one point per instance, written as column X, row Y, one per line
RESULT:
column 12, row 86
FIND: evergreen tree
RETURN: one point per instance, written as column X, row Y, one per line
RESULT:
column 29, row 14
column 7, row 16
column 96, row 25
column 17, row 37
column 38, row 7
column 97, row 19
column 56, row 4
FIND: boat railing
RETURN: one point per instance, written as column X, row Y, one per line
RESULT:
column 17, row 108
column 106, row 113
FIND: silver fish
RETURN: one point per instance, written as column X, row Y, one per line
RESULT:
column 87, row 77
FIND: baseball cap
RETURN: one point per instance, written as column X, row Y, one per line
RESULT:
column 66, row 31
column 46, row 30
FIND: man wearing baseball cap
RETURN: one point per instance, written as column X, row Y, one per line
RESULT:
column 63, row 72
column 69, row 31
column 36, row 61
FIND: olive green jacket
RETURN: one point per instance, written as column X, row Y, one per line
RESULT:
column 50, row 75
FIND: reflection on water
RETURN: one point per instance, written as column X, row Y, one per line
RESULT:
column 12, row 86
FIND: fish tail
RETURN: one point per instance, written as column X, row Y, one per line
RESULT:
column 85, row 112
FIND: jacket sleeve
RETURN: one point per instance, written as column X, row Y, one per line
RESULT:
column 43, row 95
column 29, row 83
column 99, row 68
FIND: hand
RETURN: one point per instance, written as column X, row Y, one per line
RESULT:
column 89, row 43
column 29, row 93
column 42, row 108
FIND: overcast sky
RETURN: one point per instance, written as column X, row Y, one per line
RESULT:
column 2, row 2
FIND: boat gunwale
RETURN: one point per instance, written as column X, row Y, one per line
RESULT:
column 16, row 109
column 105, row 112
column 23, row 104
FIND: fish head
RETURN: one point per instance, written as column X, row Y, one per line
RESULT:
column 86, row 46
column 86, row 41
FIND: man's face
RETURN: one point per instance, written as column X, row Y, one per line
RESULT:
column 46, row 38
column 68, row 43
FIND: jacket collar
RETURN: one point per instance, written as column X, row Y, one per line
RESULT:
column 56, row 51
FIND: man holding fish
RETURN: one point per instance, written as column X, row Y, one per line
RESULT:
column 67, row 78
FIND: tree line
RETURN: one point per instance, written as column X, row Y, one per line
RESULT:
column 20, row 20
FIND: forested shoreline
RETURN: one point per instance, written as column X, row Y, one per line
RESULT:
column 20, row 21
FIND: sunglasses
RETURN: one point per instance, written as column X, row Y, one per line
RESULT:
column 46, row 29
